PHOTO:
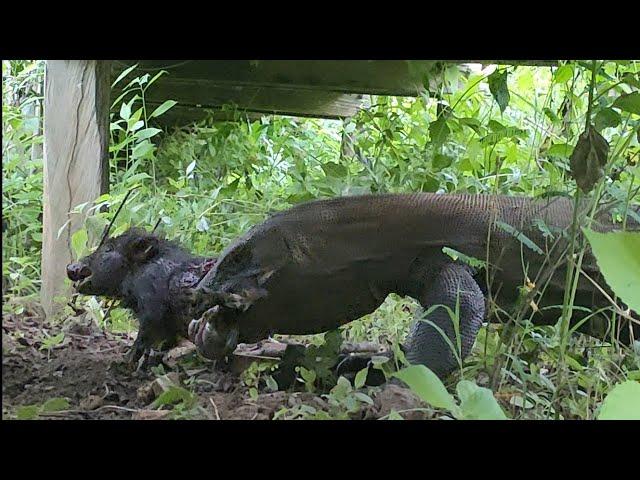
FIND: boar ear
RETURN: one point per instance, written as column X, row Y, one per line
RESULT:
column 143, row 249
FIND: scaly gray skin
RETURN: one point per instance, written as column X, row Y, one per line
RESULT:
column 325, row 263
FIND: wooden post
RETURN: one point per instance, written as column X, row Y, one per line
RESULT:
column 76, row 160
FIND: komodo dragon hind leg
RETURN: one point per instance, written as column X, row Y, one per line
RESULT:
column 452, row 285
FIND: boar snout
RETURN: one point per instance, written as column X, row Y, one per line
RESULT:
column 78, row 271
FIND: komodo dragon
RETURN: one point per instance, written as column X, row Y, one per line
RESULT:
column 325, row 263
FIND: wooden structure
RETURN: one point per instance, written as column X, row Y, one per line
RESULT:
column 76, row 126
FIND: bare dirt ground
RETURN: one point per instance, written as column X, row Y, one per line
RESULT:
column 77, row 371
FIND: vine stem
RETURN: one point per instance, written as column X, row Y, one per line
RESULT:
column 571, row 278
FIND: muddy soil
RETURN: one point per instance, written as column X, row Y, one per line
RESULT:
column 77, row 371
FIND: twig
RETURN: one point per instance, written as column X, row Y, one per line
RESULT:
column 156, row 225
column 105, row 234
column 215, row 408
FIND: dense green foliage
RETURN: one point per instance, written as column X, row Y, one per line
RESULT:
column 507, row 130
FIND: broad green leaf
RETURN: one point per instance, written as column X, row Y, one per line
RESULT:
column 498, row 88
column 142, row 149
column 618, row 256
column 622, row 402
column 629, row 102
column 125, row 110
column 632, row 79
column 79, row 242
column 478, row 403
column 163, row 108
column 560, row 150
column 147, row 133
column 27, row 412
column 361, row 377
column 563, row 74
column 606, row 118
column 472, row 123
column 174, row 395
column 55, row 405
column 441, row 161
column 332, row 169
column 426, row 384
column 439, row 131
column 363, row 397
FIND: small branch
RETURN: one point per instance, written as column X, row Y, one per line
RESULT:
column 105, row 234
column 215, row 408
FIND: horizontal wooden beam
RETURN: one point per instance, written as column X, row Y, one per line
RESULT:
column 293, row 101
column 379, row 77
column 310, row 88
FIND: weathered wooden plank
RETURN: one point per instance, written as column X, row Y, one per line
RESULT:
column 285, row 101
column 76, row 134
column 377, row 77
column 380, row 77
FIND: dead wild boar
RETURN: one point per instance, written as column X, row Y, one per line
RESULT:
column 145, row 273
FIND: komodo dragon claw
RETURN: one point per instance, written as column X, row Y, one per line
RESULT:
column 213, row 334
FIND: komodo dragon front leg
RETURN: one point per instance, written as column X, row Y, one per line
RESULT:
column 453, row 287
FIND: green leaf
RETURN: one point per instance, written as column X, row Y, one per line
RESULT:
column 551, row 115
column 55, row 405
column 147, row 133
column 632, row 79
column 202, row 225
column 174, row 395
column 426, row 384
column 472, row 123
column 123, row 74
column 606, row 118
column 498, row 88
column 441, row 161
column 190, row 168
column 361, row 377
column 629, row 102
column 563, row 74
column 125, row 110
column 79, row 242
column 520, row 236
column 560, row 150
column 393, row 415
column 363, row 398
column 439, row 131
column 142, row 149
column 27, row 412
column 458, row 256
column 332, row 169
column 618, row 256
column 156, row 76
column 163, row 108
column 622, row 402
column 478, row 403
